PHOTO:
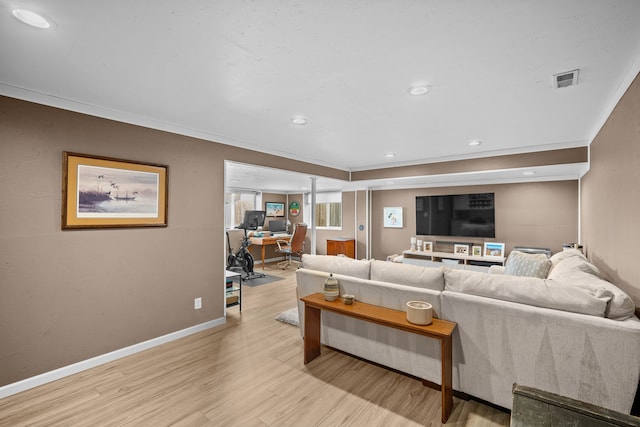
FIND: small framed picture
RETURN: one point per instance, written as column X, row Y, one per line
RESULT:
column 461, row 249
column 427, row 246
column 392, row 218
column 495, row 250
column 476, row 251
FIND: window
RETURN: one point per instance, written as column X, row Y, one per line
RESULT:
column 237, row 203
column 329, row 215
column 328, row 210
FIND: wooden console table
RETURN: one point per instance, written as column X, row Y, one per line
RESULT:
column 441, row 330
column 342, row 245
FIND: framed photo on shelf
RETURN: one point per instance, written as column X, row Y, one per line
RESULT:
column 461, row 249
column 495, row 250
column 476, row 251
column 427, row 246
column 274, row 208
column 393, row 218
column 103, row 192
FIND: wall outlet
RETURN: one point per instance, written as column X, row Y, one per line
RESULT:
column 197, row 303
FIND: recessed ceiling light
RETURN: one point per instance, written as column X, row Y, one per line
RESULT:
column 528, row 173
column 31, row 18
column 299, row 120
column 417, row 90
column 389, row 155
column 474, row 143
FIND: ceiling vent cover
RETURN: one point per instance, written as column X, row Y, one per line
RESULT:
column 566, row 79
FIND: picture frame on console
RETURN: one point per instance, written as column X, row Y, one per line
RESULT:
column 461, row 249
column 493, row 250
column 427, row 247
column 476, row 251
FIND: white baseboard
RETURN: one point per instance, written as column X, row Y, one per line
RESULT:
column 65, row 371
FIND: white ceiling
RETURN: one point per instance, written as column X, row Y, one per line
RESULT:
column 236, row 71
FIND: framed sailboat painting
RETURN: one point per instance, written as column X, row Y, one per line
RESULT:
column 103, row 192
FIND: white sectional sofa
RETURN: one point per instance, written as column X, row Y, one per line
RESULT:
column 571, row 333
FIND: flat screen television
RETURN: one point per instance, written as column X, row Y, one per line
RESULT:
column 466, row 215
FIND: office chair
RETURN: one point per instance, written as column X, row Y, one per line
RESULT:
column 292, row 247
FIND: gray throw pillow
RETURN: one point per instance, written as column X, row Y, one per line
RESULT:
column 529, row 265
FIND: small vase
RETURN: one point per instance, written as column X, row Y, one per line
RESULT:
column 331, row 288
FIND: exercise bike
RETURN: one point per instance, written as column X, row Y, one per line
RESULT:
column 242, row 260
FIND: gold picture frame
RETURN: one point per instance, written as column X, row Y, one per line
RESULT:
column 104, row 192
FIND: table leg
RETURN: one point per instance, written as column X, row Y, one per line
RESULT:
column 263, row 247
column 311, row 333
column 240, row 292
column 447, row 377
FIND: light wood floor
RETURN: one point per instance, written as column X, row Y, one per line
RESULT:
column 248, row 372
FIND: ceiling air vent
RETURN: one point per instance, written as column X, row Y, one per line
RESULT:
column 566, row 79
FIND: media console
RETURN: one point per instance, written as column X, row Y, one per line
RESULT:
column 455, row 258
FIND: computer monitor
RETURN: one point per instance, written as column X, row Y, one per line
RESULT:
column 278, row 226
column 253, row 219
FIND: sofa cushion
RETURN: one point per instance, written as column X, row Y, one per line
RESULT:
column 530, row 265
column 572, row 269
column 407, row 274
column 569, row 260
column 337, row 265
column 566, row 253
column 529, row 290
column 496, row 269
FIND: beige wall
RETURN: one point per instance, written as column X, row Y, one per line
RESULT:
column 611, row 196
column 66, row 296
column 542, row 214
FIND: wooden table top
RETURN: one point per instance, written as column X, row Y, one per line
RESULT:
column 381, row 315
column 268, row 240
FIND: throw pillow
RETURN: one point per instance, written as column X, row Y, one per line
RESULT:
column 529, row 265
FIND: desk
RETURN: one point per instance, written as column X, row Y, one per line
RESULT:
column 441, row 330
column 263, row 242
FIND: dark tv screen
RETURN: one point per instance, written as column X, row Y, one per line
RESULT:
column 468, row 215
